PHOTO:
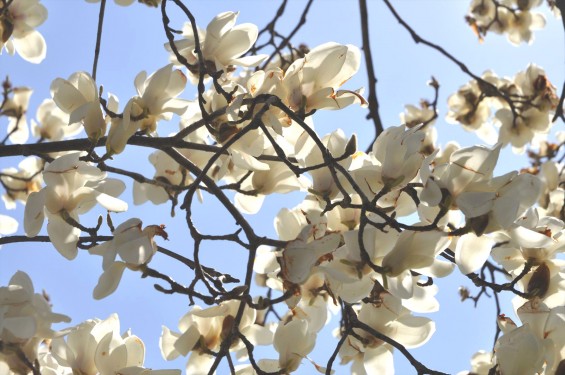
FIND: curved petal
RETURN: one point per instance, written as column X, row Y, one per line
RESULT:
column 472, row 252
column 8, row 225
column 34, row 213
column 32, row 47
column 109, row 280
column 135, row 351
column 412, row 331
column 167, row 344
column 63, row 236
column 379, row 360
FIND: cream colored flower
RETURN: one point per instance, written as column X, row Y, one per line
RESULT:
column 17, row 24
column 78, row 97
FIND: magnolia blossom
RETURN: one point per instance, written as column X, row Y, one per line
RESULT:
column 309, row 154
column 521, row 24
column 96, row 347
column 16, row 108
column 156, row 101
column 311, row 82
column 469, row 108
column 25, row 320
column 303, row 254
column 414, row 116
column 388, row 317
column 414, row 250
column 465, row 166
column 203, row 330
column 72, row 188
column 397, row 150
column 499, row 202
column 17, row 24
column 135, row 247
column 52, row 123
column 21, row 182
column 278, row 178
column 222, row 44
column 78, row 97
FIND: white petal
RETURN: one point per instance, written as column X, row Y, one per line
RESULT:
column 109, row 280
column 8, row 225
column 472, row 252
column 379, row 360
column 135, row 351
column 412, row 331
column 34, row 213
column 63, row 236
column 187, row 340
column 32, row 47
column 22, row 327
column 167, row 342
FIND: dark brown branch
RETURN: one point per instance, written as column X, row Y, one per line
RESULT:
column 98, row 38
column 372, row 99
column 486, row 87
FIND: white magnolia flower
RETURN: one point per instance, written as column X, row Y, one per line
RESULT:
column 222, row 44
column 309, row 154
column 469, row 108
column 389, row 317
column 20, row 182
column 203, row 330
column 293, row 341
column 521, row 131
column 311, row 82
column 519, row 352
column 304, row 253
column 466, row 165
column 25, row 320
column 500, row 201
column 156, row 100
column 72, row 188
column 414, row 250
column 471, row 252
column 16, row 108
column 78, row 97
column 96, row 347
column 521, row 24
column 278, row 178
column 135, row 247
column 398, row 151
column 17, row 29
column 52, row 123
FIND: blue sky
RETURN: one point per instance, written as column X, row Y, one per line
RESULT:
column 133, row 41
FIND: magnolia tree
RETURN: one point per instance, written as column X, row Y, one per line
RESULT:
column 377, row 223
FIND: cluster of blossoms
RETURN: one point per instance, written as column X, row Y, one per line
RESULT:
column 523, row 107
column 92, row 347
column 371, row 228
column 514, row 18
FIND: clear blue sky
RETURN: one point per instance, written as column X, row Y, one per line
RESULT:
column 133, row 40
